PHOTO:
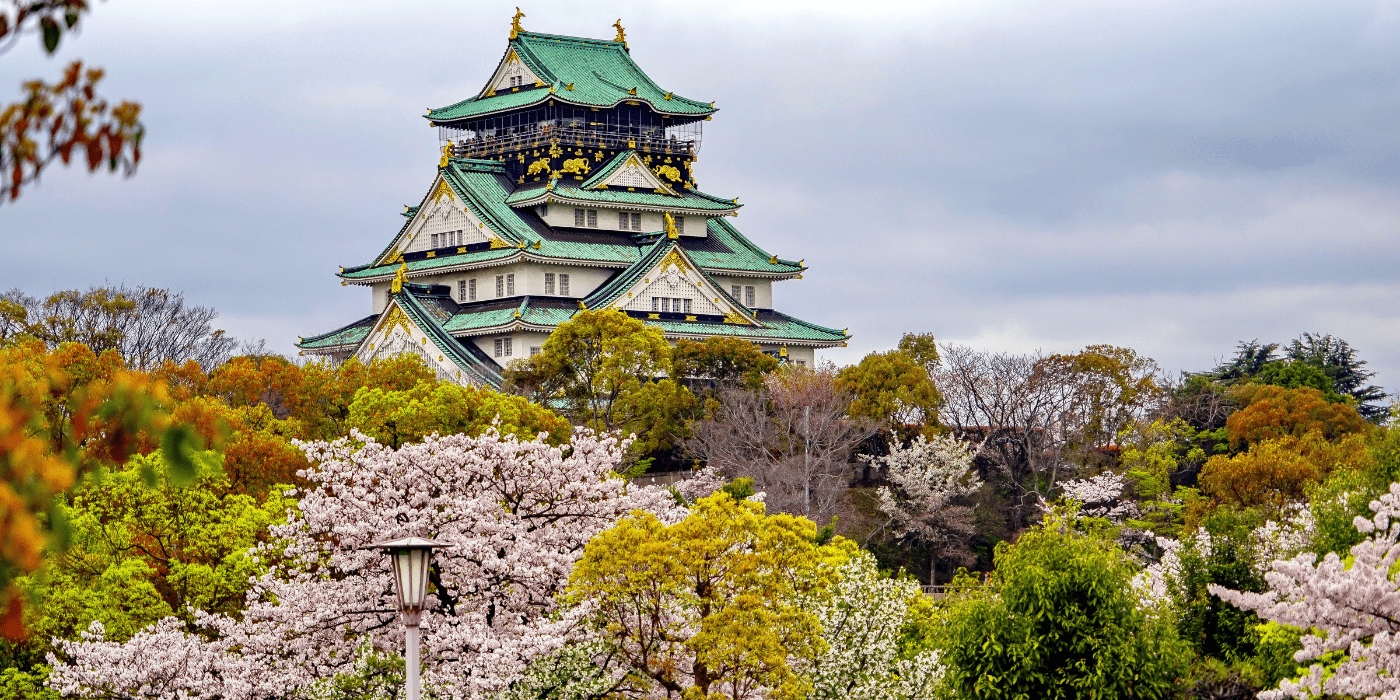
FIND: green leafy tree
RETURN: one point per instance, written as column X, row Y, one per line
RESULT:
column 713, row 606
column 1058, row 618
column 721, row 362
column 893, row 390
column 607, row 371
column 922, row 347
column 142, row 551
column 397, row 417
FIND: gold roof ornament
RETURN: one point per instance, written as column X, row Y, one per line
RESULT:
column 446, row 155
column 671, row 231
column 782, row 351
column 399, row 278
column 515, row 27
column 621, row 33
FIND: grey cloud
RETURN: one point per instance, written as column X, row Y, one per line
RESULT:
column 1170, row 176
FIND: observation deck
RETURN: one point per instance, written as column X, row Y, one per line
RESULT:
column 681, row 141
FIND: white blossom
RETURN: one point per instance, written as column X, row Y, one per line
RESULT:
column 1347, row 605
column 1101, row 497
column 862, row 624
column 926, row 477
column 515, row 513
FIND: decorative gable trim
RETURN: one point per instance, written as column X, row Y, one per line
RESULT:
column 631, row 174
column 441, row 203
column 676, row 276
column 511, row 67
column 395, row 334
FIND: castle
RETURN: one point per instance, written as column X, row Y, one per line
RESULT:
column 566, row 183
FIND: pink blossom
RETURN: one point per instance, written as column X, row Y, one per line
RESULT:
column 516, row 514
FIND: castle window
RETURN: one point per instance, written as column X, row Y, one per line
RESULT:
column 461, row 290
column 801, row 363
column 687, row 304
column 592, row 218
column 749, row 296
column 622, row 219
column 680, row 224
column 636, row 222
column 665, row 304
column 736, row 291
column 656, row 303
column 435, row 240
column 500, row 286
column 510, row 285
column 564, row 285
column 578, row 217
column 507, row 346
column 534, row 350
column 549, row 283
column 471, row 289
column 498, row 347
column 544, row 210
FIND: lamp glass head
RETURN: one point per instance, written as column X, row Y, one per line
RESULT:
column 411, row 576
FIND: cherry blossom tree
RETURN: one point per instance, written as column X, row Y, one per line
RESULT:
column 863, row 622
column 926, row 479
column 1101, row 497
column 1347, row 605
column 515, row 513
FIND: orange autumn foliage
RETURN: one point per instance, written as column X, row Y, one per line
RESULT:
column 63, row 414
column 1274, row 412
column 1279, row 470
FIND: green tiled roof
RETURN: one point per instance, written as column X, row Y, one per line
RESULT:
column 743, row 255
column 352, row 334
column 624, row 280
column 600, row 72
column 470, row 319
column 778, row 327
column 483, row 187
column 687, row 200
column 607, row 169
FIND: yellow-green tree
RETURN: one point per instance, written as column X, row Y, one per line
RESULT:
column 396, row 417
column 710, row 607
column 609, row 371
column 892, row 389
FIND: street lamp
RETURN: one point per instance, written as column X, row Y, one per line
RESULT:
column 410, row 556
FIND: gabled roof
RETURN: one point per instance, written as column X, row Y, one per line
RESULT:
column 606, row 176
column 777, row 327
column 426, row 308
column 467, row 356
column 661, row 255
column 341, row 339
column 574, row 70
column 483, row 189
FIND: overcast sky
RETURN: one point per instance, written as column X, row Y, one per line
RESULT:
column 1169, row 176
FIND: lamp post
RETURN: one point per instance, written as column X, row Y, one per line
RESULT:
column 411, row 556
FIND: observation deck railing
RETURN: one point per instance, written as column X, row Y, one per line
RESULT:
column 479, row 146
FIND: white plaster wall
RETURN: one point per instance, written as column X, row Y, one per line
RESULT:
column 520, row 344
column 379, row 297
column 562, row 216
column 763, row 289
column 673, row 284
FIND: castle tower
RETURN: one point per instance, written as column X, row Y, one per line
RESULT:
column 565, row 183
